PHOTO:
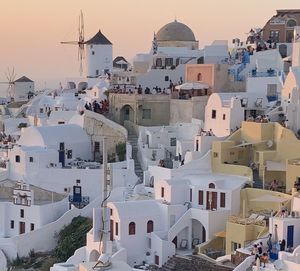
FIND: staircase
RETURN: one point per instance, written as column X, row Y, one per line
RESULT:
column 132, row 139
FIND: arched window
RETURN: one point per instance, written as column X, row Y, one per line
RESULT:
column 131, row 228
column 199, row 76
column 291, row 23
column 211, row 185
column 150, row 226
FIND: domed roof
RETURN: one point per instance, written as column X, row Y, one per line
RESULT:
column 175, row 31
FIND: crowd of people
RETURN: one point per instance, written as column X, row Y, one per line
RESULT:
column 100, row 108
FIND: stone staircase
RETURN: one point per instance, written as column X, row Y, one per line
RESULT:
column 192, row 263
column 132, row 139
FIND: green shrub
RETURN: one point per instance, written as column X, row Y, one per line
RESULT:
column 72, row 237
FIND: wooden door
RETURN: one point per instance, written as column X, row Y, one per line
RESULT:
column 22, row 227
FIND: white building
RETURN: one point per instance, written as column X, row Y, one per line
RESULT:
column 48, row 146
column 25, row 213
column 166, row 142
column 225, row 112
column 22, row 89
column 98, row 55
column 186, row 212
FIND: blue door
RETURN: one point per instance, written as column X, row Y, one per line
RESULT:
column 61, row 157
column 290, row 236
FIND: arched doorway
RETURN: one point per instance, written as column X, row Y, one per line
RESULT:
column 94, row 256
column 198, row 233
column 126, row 114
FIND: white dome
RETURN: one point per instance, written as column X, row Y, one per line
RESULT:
column 175, row 31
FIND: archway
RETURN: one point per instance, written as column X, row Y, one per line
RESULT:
column 94, row 256
column 126, row 114
column 82, row 86
column 198, row 233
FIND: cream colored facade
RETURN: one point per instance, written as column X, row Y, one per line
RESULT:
column 266, row 145
column 98, row 127
column 241, row 230
column 155, row 110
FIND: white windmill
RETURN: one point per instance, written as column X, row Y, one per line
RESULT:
column 79, row 43
column 10, row 76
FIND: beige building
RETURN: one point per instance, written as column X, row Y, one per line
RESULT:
column 267, row 147
column 257, row 205
column 155, row 110
column 98, row 127
column 280, row 28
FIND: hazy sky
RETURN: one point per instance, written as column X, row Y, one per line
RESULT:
column 31, row 30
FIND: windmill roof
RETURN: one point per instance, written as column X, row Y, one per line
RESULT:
column 99, row 38
column 23, row 79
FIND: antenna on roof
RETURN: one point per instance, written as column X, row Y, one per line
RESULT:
column 80, row 42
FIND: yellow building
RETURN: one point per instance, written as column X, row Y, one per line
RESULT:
column 261, row 150
column 257, row 206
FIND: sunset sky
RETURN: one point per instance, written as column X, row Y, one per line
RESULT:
column 31, row 30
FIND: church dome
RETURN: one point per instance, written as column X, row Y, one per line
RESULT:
column 175, row 31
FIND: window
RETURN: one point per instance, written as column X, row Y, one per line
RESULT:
column 199, row 76
column 61, row 122
column 97, row 146
column 213, row 114
column 162, row 192
column 274, row 36
column 146, row 113
column 289, row 35
column 18, row 159
column 271, row 89
column 291, row 23
column 22, row 213
column 173, row 141
column 200, row 197
column 91, row 46
column 191, row 194
column 117, row 228
column 131, row 228
column 158, row 62
column 212, row 185
column 69, row 154
column 77, row 181
column 12, row 224
column 149, row 226
column 111, row 211
column 169, row 62
column 62, row 146
column 197, row 145
column 31, row 159
column 166, row 78
column 31, row 226
column 216, row 154
column 41, row 110
column 224, row 116
column 93, row 52
column 222, row 200
column 97, row 72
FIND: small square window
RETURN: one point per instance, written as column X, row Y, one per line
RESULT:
column 31, row 226
column 12, row 224
column 166, row 78
column 18, row 159
column 173, row 141
column 31, row 159
column 22, row 213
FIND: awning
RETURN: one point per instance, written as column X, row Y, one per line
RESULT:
column 192, row 86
